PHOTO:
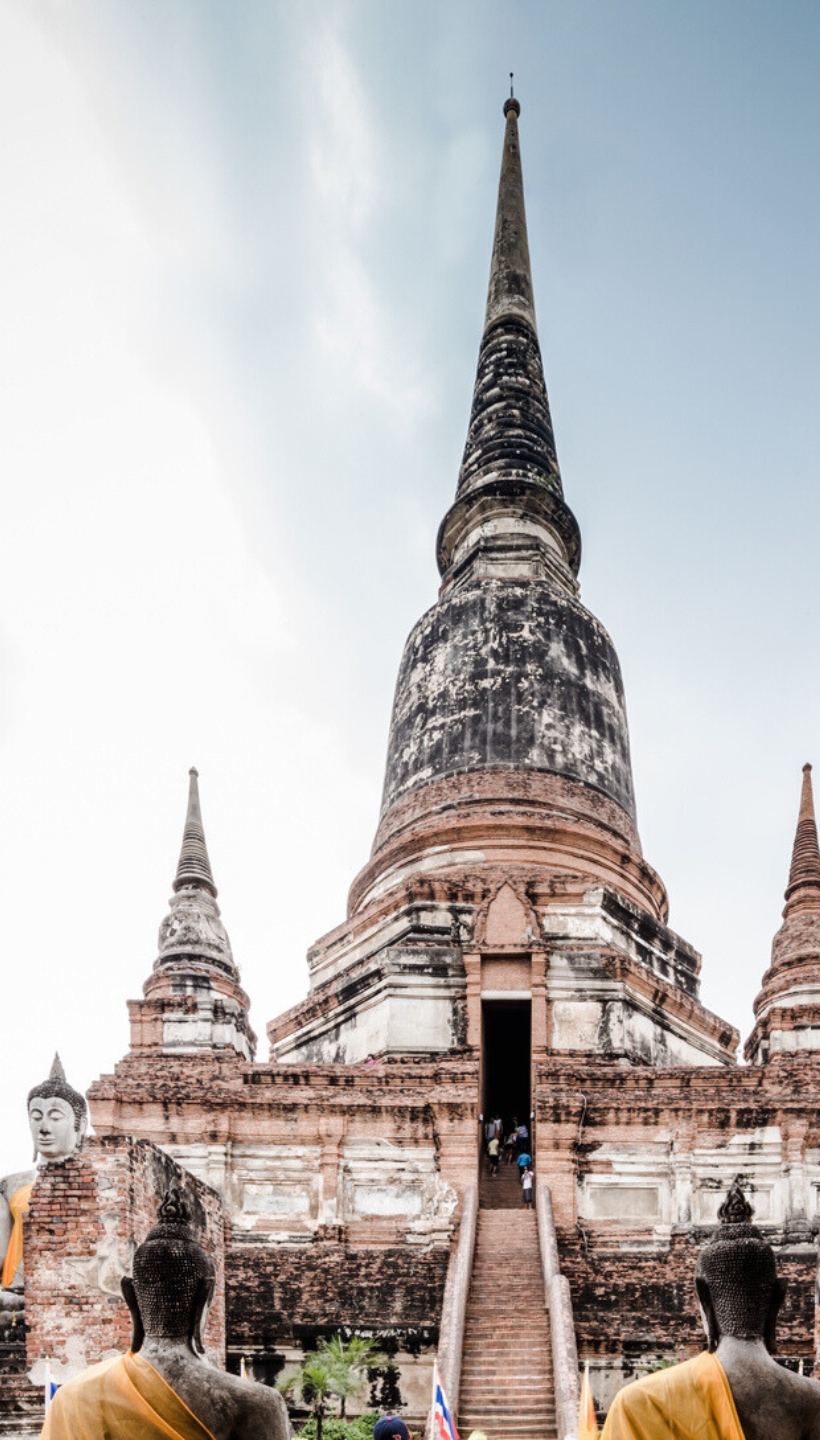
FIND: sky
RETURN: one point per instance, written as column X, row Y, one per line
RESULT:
column 243, row 263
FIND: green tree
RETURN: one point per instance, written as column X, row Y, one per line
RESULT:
column 349, row 1361
column 314, row 1379
column 336, row 1369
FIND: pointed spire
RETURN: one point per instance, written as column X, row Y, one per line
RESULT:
column 194, row 867
column 510, row 431
column 509, row 478
column 57, row 1072
column 510, row 289
column 803, row 890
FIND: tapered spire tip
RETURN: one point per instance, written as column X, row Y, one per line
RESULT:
column 510, row 289
column 511, row 103
column 803, row 890
column 194, row 866
column 509, row 464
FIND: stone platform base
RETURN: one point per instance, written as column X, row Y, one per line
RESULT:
column 21, row 1407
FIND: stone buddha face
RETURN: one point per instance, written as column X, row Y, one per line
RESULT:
column 54, row 1127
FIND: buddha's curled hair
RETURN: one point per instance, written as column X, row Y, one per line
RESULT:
column 170, row 1267
column 56, row 1084
column 739, row 1267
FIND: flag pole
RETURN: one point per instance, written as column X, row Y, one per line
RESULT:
column 431, row 1428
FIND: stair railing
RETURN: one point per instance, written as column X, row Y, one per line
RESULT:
column 454, row 1306
column 562, row 1327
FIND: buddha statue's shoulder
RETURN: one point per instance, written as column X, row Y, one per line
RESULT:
column 261, row 1412
column 229, row 1407
column 773, row 1401
column 10, row 1184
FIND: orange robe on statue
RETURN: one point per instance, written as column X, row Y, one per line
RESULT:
column 686, row 1402
column 18, row 1205
column 124, row 1398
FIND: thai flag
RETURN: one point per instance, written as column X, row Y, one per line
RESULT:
column 443, row 1423
column 50, row 1388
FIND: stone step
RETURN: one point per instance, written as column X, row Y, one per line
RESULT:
column 538, row 1393
column 494, row 1421
column 479, row 1325
column 495, row 1294
column 535, row 1408
column 474, row 1354
column 540, row 1422
column 531, row 1365
column 505, row 1414
column 511, row 1231
column 476, row 1342
column 476, row 1350
column 473, row 1386
column 479, row 1334
column 543, row 1425
column 509, row 1429
column 486, row 1299
column 478, row 1322
column 475, row 1358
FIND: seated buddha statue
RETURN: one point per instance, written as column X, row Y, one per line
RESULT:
column 58, row 1117
column 164, row 1388
column 734, row 1390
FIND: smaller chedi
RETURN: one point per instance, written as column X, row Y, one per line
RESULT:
column 734, row 1390
column 163, row 1388
column 58, row 1118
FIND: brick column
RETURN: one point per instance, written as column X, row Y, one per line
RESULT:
column 333, row 1134
column 472, row 966
column 538, row 987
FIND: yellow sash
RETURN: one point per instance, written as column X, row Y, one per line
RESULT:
column 686, row 1402
column 126, row 1398
column 18, row 1205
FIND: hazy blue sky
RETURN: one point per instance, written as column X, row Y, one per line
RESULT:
column 243, row 266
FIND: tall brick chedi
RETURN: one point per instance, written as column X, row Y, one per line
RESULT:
column 508, row 824
column 506, row 948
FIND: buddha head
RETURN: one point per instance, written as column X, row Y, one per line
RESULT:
column 173, row 1280
column 57, row 1115
column 736, row 1278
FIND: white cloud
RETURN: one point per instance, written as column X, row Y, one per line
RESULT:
column 347, row 170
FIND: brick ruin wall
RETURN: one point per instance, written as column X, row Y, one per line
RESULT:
column 603, row 1128
column 86, row 1217
column 341, row 1183
column 675, row 1140
column 293, row 1294
column 281, row 1300
column 641, row 1307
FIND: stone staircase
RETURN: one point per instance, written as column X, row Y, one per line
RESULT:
column 21, row 1407
column 506, row 1370
column 501, row 1191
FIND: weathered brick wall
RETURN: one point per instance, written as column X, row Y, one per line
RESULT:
column 681, row 1136
column 87, row 1216
column 638, row 1305
column 278, row 1296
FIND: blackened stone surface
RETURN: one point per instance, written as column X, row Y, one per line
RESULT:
column 510, row 429
column 277, row 1292
column 509, row 674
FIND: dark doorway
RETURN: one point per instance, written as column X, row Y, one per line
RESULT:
column 506, row 1060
